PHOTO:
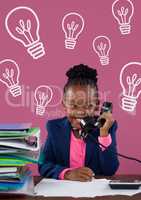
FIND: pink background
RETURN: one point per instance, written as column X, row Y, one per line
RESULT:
column 50, row 69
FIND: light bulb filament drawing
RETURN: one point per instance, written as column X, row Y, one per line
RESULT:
column 133, row 83
column 43, row 98
column 72, row 28
column 102, row 48
column 24, row 29
column 9, row 76
column 123, row 13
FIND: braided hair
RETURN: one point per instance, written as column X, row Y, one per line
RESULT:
column 81, row 75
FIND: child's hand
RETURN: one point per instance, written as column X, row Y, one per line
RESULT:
column 79, row 174
column 108, row 123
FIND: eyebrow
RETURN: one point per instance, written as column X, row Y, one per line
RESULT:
column 86, row 103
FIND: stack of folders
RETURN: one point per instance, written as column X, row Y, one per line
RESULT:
column 19, row 146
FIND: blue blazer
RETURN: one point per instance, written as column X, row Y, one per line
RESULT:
column 55, row 155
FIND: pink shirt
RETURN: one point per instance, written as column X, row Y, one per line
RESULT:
column 78, row 150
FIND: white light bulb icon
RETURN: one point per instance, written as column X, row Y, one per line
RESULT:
column 9, row 75
column 123, row 11
column 130, row 80
column 43, row 95
column 72, row 25
column 102, row 46
column 22, row 25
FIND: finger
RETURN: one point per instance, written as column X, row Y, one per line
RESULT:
column 109, row 122
column 87, row 170
column 87, row 173
column 106, row 126
column 106, row 115
column 81, row 179
column 85, row 177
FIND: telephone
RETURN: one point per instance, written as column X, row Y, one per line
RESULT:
column 123, row 184
column 107, row 106
column 89, row 123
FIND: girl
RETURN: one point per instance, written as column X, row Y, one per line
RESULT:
column 65, row 154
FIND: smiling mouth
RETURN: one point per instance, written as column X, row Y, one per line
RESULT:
column 79, row 119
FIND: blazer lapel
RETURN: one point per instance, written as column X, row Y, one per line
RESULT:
column 66, row 128
column 89, row 150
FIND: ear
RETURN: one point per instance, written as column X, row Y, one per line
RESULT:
column 97, row 105
column 63, row 104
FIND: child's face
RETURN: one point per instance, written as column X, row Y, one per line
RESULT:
column 79, row 102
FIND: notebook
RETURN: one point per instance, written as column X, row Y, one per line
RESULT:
column 15, row 126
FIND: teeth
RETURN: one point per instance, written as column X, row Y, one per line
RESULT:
column 79, row 119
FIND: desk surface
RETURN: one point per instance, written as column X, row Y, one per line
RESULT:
column 117, row 197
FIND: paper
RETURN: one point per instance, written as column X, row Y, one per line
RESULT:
column 7, row 169
column 27, row 189
column 23, row 143
column 63, row 188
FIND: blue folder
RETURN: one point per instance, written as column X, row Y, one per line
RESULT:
column 14, row 126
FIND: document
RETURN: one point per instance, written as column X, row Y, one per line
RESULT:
column 7, row 170
column 27, row 189
column 64, row 188
column 23, row 142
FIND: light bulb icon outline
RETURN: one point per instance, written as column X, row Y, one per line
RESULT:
column 121, row 15
column 9, row 77
column 42, row 99
column 71, row 29
column 130, row 93
column 102, row 48
column 34, row 47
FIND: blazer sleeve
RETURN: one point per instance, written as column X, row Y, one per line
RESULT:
column 47, row 166
column 108, row 158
